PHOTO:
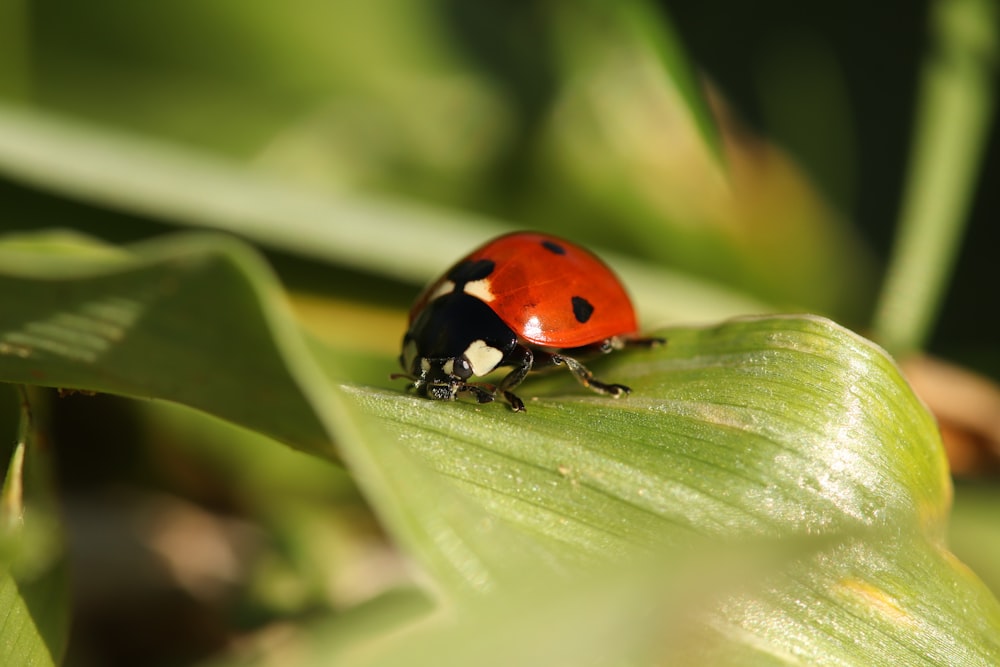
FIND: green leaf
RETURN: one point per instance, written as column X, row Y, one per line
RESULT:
column 757, row 426
column 181, row 320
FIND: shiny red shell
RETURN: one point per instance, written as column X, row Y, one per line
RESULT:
column 538, row 285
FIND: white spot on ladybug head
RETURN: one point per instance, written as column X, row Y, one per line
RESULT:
column 532, row 328
column 409, row 355
column 425, row 365
column 448, row 367
column 479, row 289
column 446, row 287
column 482, row 357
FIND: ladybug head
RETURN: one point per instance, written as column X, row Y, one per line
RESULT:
column 438, row 378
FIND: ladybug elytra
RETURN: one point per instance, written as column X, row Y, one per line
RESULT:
column 524, row 300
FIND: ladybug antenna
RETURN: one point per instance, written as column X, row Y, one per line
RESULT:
column 405, row 376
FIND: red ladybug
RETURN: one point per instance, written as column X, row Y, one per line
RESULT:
column 524, row 300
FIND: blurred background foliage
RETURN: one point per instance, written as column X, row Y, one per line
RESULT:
column 539, row 114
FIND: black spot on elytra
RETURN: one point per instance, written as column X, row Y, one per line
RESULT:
column 582, row 309
column 553, row 247
column 467, row 272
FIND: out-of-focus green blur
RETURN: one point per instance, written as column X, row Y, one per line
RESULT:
column 542, row 116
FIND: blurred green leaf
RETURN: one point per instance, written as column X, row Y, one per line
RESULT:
column 638, row 35
column 843, row 599
column 324, row 640
column 33, row 582
column 156, row 324
column 652, row 28
column 235, row 78
column 974, row 529
column 400, row 240
column 888, row 599
column 622, row 156
column 639, row 611
column 852, row 603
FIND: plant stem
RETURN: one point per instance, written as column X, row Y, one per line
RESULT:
column 955, row 109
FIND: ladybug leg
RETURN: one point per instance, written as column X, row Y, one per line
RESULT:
column 480, row 392
column 587, row 379
column 522, row 360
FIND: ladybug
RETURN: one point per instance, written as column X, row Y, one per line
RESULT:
column 524, row 300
